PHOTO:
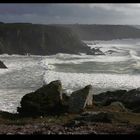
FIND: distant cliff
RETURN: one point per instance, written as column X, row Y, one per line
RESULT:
column 105, row 32
column 23, row 38
column 26, row 38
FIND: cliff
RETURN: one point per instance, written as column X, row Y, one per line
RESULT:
column 26, row 38
column 105, row 32
column 23, row 38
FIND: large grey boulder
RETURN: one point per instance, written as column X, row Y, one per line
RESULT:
column 80, row 99
column 46, row 100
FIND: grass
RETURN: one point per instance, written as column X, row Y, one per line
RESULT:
column 14, row 119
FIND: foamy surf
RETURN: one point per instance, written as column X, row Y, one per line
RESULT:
column 73, row 81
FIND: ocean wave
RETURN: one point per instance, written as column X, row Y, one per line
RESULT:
column 134, row 55
column 73, row 81
column 50, row 61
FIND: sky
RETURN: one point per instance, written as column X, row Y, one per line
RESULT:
column 71, row 13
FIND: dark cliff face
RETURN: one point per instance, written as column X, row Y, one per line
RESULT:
column 36, row 39
column 105, row 32
column 23, row 38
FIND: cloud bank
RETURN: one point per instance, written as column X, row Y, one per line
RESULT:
column 71, row 13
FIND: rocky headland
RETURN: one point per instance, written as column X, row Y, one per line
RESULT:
column 37, row 39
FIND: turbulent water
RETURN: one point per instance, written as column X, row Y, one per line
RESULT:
column 119, row 68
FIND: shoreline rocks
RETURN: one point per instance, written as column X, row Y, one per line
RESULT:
column 50, row 100
column 130, row 99
column 80, row 99
column 50, row 111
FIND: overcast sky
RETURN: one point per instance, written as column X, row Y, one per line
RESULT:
column 71, row 13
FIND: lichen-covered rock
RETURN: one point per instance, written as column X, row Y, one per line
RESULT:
column 46, row 100
column 80, row 99
column 2, row 65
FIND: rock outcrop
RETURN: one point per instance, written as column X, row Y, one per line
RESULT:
column 50, row 100
column 95, row 51
column 130, row 99
column 108, row 97
column 80, row 99
column 2, row 65
column 46, row 100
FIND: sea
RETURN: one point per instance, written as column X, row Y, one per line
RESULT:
column 118, row 68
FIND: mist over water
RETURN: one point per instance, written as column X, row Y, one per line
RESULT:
column 119, row 68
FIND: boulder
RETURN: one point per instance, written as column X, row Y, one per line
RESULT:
column 46, row 100
column 80, row 99
column 118, row 106
column 95, row 51
column 2, row 65
column 130, row 99
column 108, row 97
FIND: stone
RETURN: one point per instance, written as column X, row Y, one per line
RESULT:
column 108, row 97
column 46, row 100
column 80, row 99
column 129, row 99
column 118, row 106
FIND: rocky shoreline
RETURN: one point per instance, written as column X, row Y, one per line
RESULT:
column 50, row 111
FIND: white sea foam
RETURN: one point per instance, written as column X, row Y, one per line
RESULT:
column 18, row 56
column 134, row 55
column 75, row 81
column 48, row 62
column 3, row 71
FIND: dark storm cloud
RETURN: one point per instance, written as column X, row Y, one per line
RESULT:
column 71, row 13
